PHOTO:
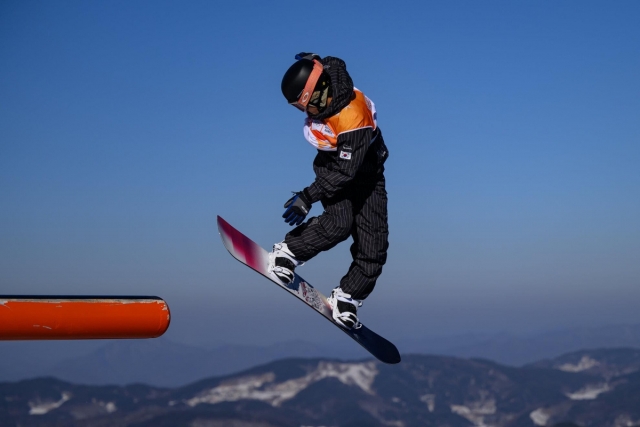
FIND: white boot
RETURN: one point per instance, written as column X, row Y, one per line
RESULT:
column 344, row 309
column 282, row 262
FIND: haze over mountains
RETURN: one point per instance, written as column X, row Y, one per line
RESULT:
column 591, row 388
column 164, row 363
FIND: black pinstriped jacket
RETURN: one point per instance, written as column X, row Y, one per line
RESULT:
column 359, row 153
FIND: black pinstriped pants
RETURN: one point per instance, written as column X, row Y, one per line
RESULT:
column 359, row 211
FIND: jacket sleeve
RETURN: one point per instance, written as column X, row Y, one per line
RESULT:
column 346, row 160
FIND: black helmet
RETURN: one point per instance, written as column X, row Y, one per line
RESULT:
column 302, row 79
column 295, row 79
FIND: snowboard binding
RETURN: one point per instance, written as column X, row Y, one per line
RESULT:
column 282, row 263
column 344, row 309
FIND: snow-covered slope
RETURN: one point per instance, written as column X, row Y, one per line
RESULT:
column 421, row 391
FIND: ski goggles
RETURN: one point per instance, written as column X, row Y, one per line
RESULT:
column 303, row 100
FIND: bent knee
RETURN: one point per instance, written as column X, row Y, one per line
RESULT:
column 338, row 227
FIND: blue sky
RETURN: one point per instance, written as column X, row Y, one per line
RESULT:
column 513, row 179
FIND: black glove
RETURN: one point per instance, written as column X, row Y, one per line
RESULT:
column 306, row 55
column 297, row 208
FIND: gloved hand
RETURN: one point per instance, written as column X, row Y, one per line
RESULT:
column 297, row 208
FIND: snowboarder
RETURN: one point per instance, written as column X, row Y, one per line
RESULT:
column 341, row 124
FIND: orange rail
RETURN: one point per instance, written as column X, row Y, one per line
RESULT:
column 82, row 317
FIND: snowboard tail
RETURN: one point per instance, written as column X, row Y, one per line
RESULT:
column 251, row 254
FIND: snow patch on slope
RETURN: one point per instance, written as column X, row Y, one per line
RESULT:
column 41, row 408
column 262, row 387
column 476, row 411
column 110, row 407
column 625, row 420
column 430, row 400
column 584, row 364
column 539, row 417
column 589, row 392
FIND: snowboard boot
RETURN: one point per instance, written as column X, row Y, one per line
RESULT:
column 282, row 263
column 344, row 309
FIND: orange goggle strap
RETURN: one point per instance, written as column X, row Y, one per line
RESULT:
column 305, row 96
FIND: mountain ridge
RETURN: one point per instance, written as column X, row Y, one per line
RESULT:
column 165, row 363
column 424, row 390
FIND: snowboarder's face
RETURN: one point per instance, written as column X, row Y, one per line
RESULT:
column 313, row 110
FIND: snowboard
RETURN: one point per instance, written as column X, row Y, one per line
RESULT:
column 251, row 254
